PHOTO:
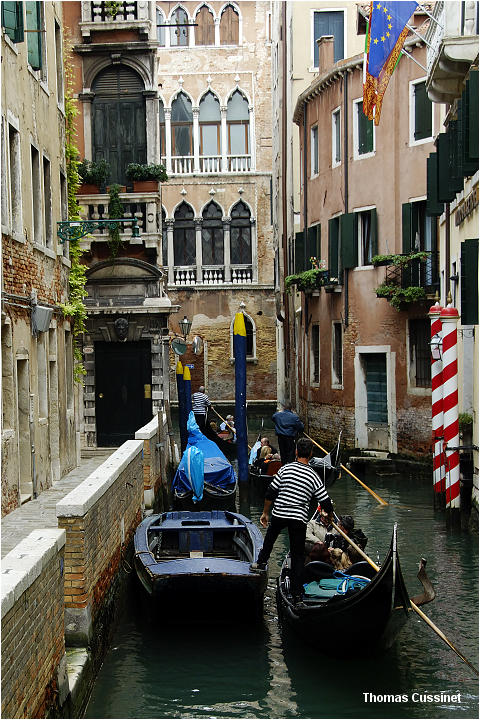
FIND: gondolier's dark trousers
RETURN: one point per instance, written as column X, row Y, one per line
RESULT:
column 286, row 446
column 200, row 419
column 297, row 531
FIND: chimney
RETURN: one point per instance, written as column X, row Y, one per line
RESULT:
column 325, row 53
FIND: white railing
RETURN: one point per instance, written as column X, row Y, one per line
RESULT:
column 182, row 164
column 185, row 275
column 239, row 163
column 210, row 163
column 241, row 274
column 213, row 275
column 101, row 12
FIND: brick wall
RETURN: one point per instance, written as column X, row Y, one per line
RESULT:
column 156, row 459
column 99, row 518
column 33, row 648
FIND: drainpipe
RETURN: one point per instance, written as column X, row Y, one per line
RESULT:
column 286, row 303
column 447, row 252
column 305, row 217
column 345, row 180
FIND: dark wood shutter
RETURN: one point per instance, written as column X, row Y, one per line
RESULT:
column 333, row 233
column 299, row 252
column 445, row 192
column 365, row 132
column 434, row 206
column 469, row 280
column 374, row 231
column 12, row 20
column 348, row 241
column 35, row 37
column 423, row 112
column 472, row 93
column 229, row 27
column 455, row 168
column 328, row 23
column 205, row 30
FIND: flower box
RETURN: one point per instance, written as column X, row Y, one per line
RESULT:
column 140, row 186
column 88, row 189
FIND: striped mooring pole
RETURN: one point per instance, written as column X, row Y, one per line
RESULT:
column 437, row 399
column 449, row 318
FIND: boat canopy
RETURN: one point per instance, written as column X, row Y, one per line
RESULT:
column 217, row 469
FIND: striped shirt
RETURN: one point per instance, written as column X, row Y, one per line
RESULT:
column 200, row 403
column 297, row 484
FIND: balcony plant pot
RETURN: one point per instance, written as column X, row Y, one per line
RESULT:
column 140, row 186
column 88, row 189
column 120, row 188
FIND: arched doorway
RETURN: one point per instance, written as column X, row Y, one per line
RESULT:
column 118, row 120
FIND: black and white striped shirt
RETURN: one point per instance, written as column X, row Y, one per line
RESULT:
column 297, row 484
column 200, row 403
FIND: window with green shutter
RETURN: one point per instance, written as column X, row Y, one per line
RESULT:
column 333, row 236
column 34, row 11
column 12, row 20
column 364, row 132
column 419, row 233
column 422, row 112
column 469, row 282
column 434, row 206
column 348, row 241
column 299, row 252
column 445, row 192
column 471, row 95
column 314, row 244
column 366, row 240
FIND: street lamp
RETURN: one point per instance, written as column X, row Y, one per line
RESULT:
column 436, row 347
column 185, row 326
column 77, row 229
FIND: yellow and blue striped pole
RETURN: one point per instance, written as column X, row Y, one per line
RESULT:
column 187, row 388
column 182, row 424
column 240, row 353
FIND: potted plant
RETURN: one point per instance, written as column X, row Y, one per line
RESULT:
column 93, row 176
column 145, row 178
column 115, row 211
column 399, row 297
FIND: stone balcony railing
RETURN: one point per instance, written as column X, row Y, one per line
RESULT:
column 98, row 16
column 207, row 164
column 190, row 275
column 452, row 46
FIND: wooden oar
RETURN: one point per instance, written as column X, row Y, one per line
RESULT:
column 377, row 497
column 226, row 423
column 419, row 612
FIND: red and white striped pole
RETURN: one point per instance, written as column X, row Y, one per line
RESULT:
column 437, row 398
column 449, row 318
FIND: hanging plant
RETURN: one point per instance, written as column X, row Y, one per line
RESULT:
column 308, row 280
column 398, row 296
column 115, row 211
column 400, row 260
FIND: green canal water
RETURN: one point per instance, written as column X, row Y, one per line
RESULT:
column 158, row 667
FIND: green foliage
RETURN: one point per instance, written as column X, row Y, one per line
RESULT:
column 308, row 280
column 115, row 211
column 465, row 421
column 398, row 296
column 94, row 172
column 113, row 8
column 136, row 171
column 400, row 260
column 71, row 152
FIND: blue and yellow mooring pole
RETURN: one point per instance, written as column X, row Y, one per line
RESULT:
column 240, row 353
column 182, row 416
column 187, row 388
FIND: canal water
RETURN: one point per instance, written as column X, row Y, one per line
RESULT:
column 161, row 667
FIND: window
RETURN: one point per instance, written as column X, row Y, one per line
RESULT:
column 315, row 355
column 35, row 41
column 205, row 30
column 333, row 247
column 251, row 333
column 12, row 20
column 59, row 63
column 420, row 359
column 314, row 151
column 364, row 132
column 179, row 35
column 161, row 122
column 182, row 122
column 15, row 181
column 160, row 28
column 366, row 236
column 47, row 202
column 36, row 196
column 212, row 235
column 336, row 139
column 164, row 239
column 329, row 22
column 419, row 232
column 337, row 354
column 184, row 236
column 421, row 109
column 240, row 235
column 229, row 26
column 210, row 120
column 238, row 130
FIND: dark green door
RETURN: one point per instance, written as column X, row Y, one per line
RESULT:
column 123, row 376
column 376, row 377
column 118, row 120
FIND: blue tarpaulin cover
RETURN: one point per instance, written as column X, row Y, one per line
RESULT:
column 217, row 469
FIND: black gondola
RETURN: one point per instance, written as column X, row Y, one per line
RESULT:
column 368, row 616
column 228, row 448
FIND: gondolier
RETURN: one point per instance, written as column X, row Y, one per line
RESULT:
column 200, row 405
column 290, row 492
column 287, row 426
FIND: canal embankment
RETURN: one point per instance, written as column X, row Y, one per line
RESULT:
column 62, row 561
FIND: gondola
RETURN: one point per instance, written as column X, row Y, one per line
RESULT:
column 228, row 448
column 197, row 555
column 204, row 479
column 368, row 616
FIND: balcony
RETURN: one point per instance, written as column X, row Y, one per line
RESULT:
column 191, row 275
column 452, row 48
column 208, row 164
column 98, row 16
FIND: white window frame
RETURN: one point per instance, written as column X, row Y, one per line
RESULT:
column 336, row 383
column 358, row 212
column 314, row 150
column 411, row 370
column 411, row 96
column 356, row 154
column 337, row 113
column 313, row 67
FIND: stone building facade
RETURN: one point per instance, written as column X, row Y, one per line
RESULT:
column 39, row 398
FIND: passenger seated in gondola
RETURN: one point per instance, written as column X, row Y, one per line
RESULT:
column 265, row 442
column 266, row 457
column 228, row 428
column 316, row 551
column 214, row 426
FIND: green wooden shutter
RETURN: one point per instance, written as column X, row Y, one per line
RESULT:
column 473, row 115
column 348, row 241
column 376, row 382
column 299, row 252
column 445, row 192
column 408, row 223
column 434, row 207
column 469, row 164
column 469, row 280
column 374, row 231
column 423, row 112
column 333, row 226
column 365, row 132
column 455, row 170
column 34, row 35
column 12, row 20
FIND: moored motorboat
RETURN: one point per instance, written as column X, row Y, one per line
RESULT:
column 194, row 554
column 361, row 606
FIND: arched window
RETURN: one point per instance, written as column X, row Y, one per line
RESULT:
column 184, row 236
column 182, row 123
column 180, row 33
column 240, row 235
column 160, row 28
column 205, row 30
column 238, row 131
column 229, row 26
column 164, row 239
column 161, row 122
column 212, row 235
column 251, row 332
column 210, row 121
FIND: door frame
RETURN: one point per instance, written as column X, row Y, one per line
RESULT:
column 361, row 417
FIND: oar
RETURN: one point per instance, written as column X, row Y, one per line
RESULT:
column 226, row 423
column 377, row 497
column 414, row 607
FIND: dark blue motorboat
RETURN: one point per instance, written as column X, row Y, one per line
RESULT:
column 205, row 479
column 195, row 554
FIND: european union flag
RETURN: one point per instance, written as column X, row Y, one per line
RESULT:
column 387, row 33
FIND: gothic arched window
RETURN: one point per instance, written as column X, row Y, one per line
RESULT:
column 184, row 236
column 229, row 26
column 205, row 30
column 210, row 122
column 179, row 34
column 182, row 124
column 240, row 235
column 160, row 28
column 238, row 130
column 212, row 235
